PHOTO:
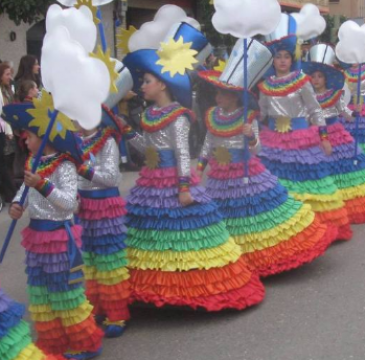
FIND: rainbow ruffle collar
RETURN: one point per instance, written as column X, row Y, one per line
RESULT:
column 329, row 98
column 353, row 74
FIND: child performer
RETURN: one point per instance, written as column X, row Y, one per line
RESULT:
column 101, row 214
column 63, row 316
column 275, row 232
column 179, row 249
column 292, row 149
column 348, row 171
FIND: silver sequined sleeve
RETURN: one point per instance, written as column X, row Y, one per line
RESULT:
column 314, row 109
column 207, row 147
column 138, row 142
column 179, row 134
column 264, row 106
column 255, row 128
column 344, row 110
column 64, row 194
column 19, row 195
column 107, row 170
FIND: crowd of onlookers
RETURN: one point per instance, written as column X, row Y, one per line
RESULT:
column 22, row 87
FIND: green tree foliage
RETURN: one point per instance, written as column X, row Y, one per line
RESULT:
column 28, row 11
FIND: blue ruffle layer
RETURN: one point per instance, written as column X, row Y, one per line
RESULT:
column 10, row 318
column 104, row 245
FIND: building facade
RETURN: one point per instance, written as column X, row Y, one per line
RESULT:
column 350, row 8
column 295, row 5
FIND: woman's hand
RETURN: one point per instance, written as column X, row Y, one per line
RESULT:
column 327, row 147
column 16, row 211
column 30, row 179
column 185, row 198
column 247, row 130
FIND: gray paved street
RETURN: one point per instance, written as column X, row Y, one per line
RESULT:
column 314, row 313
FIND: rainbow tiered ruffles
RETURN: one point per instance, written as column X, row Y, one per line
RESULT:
column 276, row 233
column 183, row 255
column 58, row 306
column 348, row 170
column 102, row 215
column 15, row 339
column 297, row 159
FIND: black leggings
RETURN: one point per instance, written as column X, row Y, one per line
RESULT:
column 7, row 186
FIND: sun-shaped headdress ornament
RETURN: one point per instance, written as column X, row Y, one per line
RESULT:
column 123, row 37
column 110, row 64
column 40, row 115
column 176, row 57
column 89, row 4
column 221, row 66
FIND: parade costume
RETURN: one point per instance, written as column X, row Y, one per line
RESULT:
column 348, row 171
column 180, row 256
column 276, row 233
column 102, row 216
column 15, row 339
column 58, row 305
column 291, row 147
column 351, row 75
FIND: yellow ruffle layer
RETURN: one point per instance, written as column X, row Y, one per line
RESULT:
column 265, row 239
column 321, row 203
column 31, row 352
column 44, row 313
column 353, row 192
column 106, row 277
column 185, row 260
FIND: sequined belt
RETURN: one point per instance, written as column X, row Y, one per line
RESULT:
column 226, row 156
column 159, row 158
column 332, row 120
column 74, row 255
column 99, row 194
column 286, row 124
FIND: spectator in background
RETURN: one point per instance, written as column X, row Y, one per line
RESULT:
column 7, row 187
column 29, row 69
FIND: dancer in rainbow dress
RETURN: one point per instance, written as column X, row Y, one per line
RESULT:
column 347, row 169
column 351, row 76
column 102, row 216
column 276, row 233
column 15, row 340
column 180, row 252
column 58, row 305
column 295, row 144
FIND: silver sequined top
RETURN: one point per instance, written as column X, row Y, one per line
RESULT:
column 234, row 142
column 353, row 88
column 61, row 202
column 106, row 168
column 301, row 103
column 339, row 109
column 174, row 136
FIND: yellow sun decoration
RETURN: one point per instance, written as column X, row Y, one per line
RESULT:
column 90, row 5
column 41, row 118
column 176, row 57
column 283, row 124
column 110, row 64
column 221, row 66
column 222, row 155
column 152, row 158
column 123, row 37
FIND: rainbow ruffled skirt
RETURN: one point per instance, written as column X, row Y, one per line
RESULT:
column 297, row 159
column 276, row 233
column 348, row 170
column 58, row 305
column 183, row 256
column 15, row 339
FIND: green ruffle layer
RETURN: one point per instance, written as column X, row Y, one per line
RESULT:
column 323, row 186
column 15, row 341
column 106, row 262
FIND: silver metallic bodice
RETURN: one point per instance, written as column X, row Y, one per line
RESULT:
column 61, row 203
column 339, row 109
column 353, row 88
column 106, row 168
column 301, row 103
column 174, row 137
column 234, row 142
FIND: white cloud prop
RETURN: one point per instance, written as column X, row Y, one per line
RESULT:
column 70, row 3
column 79, row 84
column 152, row 33
column 79, row 23
column 246, row 18
column 310, row 22
column 351, row 47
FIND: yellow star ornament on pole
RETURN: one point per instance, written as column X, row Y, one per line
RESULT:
column 176, row 57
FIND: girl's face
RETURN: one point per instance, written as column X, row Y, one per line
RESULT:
column 318, row 80
column 6, row 78
column 33, row 92
column 282, row 61
column 36, row 68
column 152, row 87
column 227, row 100
column 33, row 142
